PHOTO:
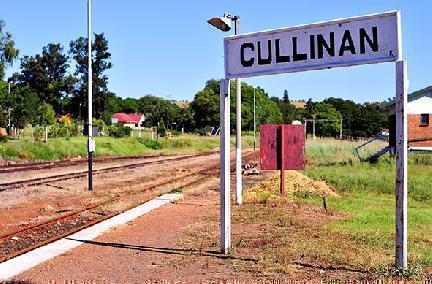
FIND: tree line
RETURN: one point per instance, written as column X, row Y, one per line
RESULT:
column 55, row 82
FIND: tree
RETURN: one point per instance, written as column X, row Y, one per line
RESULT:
column 205, row 107
column 289, row 111
column 309, row 106
column 185, row 119
column 47, row 114
column 161, row 129
column 4, row 104
column 285, row 97
column 24, row 104
column 206, row 104
column 156, row 109
column 129, row 105
column 8, row 52
column 100, row 63
column 47, row 75
column 326, row 111
column 360, row 120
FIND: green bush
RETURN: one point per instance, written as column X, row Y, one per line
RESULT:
column 38, row 133
column 151, row 144
column 161, row 128
column 58, row 130
column 3, row 139
column 118, row 131
column 204, row 131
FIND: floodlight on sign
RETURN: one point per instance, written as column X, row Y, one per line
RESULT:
column 221, row 23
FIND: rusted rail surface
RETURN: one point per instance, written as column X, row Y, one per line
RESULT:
column 74, row 217
column 34, row 166
column 54, row 178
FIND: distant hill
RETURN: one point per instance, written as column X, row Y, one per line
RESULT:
column 183, row 104
column 298, row 104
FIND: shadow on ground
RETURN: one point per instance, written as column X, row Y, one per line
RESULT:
column 172, row 251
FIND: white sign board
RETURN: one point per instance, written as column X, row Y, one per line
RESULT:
column 345, row 42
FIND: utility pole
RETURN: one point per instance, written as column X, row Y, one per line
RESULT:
column 254, row 120
column 91, row 142
column 9, row 109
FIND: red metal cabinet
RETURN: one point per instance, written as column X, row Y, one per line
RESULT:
column 272, row 154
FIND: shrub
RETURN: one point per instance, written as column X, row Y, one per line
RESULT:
column 206, row 131
column 38, row 133
column 151, row 144
column 118, row 131
column 161, row 128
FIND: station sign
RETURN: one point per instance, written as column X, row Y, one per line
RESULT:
column 344, row 42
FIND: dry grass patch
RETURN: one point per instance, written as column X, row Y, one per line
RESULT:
column 295, row 182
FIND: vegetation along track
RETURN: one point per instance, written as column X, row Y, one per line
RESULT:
column 37, row 235
column 44, row 180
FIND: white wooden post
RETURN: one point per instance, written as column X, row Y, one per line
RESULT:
column 401, row 166
column 305, row 125
column 46, row 134
column 225, row 197
column 313, row 127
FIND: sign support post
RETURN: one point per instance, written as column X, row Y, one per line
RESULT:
column 225, row 182
column 401, row 166
column 239, row 180
column 282, row 173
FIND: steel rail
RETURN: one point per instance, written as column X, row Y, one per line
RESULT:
column 54, row 178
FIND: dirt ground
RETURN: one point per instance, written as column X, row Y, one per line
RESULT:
column 179, row 243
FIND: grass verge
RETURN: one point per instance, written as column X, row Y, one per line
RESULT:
column 70, row 147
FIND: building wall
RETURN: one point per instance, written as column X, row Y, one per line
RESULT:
column 420, row 105
column 418, row 131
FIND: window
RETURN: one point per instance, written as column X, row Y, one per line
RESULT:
column 424, row 119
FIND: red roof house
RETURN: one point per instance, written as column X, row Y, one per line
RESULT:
column 133, row 120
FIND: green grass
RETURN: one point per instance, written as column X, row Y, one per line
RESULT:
column 368, row 200
column 69, row 147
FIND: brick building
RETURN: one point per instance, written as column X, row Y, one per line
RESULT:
column 419, row 119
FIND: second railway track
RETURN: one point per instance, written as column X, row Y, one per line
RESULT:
column 61, row 177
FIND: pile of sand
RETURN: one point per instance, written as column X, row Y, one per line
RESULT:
column 295, row 182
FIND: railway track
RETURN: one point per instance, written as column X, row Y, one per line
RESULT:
column 35, row 166
column 37, row 235
column 61, row 177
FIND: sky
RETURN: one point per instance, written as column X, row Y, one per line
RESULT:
column 166, row 48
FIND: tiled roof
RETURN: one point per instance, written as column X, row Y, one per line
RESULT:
column 128, row 118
